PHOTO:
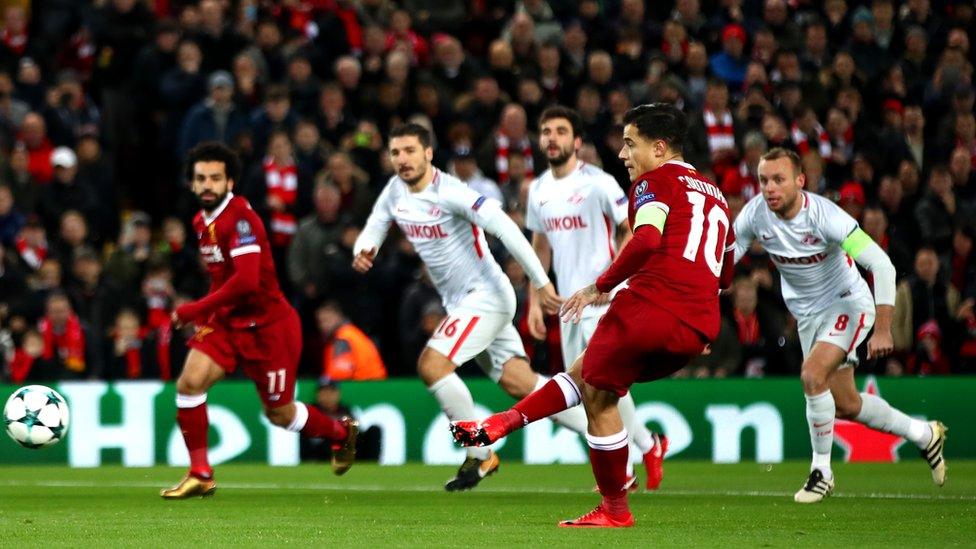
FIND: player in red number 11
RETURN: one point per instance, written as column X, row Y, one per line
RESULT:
column 676, row 262
column 243, row 321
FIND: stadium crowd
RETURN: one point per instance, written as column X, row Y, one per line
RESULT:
column 99, row 101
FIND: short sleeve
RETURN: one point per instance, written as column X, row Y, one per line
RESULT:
column 653, row 191
column 243, row 238
column 613, row 199
column 742, row 228
column 835, row 223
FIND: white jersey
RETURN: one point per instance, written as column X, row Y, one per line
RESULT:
column 579, row 214
column 814, row 269
column 443, row 222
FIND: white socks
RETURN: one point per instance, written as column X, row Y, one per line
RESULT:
column 456, row 402
column 820, row 420
column 639, row 434
column 573, row 418
column 876, row 413
column 300, row 419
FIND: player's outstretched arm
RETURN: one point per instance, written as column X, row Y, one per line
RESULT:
column 374, row 233
column 502, row 226
column 536, row 318
column 247, row 269
column 869, row 255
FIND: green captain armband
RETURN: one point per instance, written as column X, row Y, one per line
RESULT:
column 651, row 215
column 856, row 242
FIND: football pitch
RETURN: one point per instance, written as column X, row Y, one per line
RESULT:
column 699, row 505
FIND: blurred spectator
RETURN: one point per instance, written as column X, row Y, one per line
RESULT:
column 135, row 351
column 874, row 221
column 66, row 191
column 922, row 298
column 276, row 115
column 939, row 206
column 31, row 244
column 69, row 110
column 465, row 168
column 712, row 135
column 355, row 197
column 929, row 357
column 64, row 338
column 73, row 236
column 128, row 262
column 348, row 354
column 510, row 140
column 214, row 119
column 851, row 199
column 11, row 220
column 730, row 64
column 278, row 192
column 314, row 257
column 217, row 38
column 33, row 137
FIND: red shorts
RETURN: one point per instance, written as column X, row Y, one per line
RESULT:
column 268, row 354
column 637, row 341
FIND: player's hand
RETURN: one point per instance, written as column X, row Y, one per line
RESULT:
column 572, row 310
column 537, row 322
column 176, row 320
column 364, row 260
column 880, row 345
column 548, row 299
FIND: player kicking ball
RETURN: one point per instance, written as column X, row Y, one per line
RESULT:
column 243, row 321
column 578, row 217
column 444, row 220
column 676, row 261
column 815, row 245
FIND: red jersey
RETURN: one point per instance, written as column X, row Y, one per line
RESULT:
column 233, row 229
column 682, row 274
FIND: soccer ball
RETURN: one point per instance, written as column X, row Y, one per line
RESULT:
column 36, row 416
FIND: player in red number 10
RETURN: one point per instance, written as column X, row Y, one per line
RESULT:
column 676, row 262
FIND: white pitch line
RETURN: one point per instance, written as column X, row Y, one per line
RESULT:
column 485, row 489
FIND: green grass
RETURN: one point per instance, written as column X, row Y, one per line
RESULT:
column 699, row 504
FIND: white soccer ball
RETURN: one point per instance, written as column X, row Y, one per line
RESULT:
column 36, row 416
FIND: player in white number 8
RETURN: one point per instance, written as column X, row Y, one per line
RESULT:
column 814, row 245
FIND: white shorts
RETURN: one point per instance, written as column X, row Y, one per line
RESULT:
column 845, row 324
column 575, row 337
column 488, row 337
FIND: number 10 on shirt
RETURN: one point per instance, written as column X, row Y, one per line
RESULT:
column 718, row 228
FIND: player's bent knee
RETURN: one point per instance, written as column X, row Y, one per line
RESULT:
column 186, row 385
column 847, row 408
column 814, row 380
column 432, row 366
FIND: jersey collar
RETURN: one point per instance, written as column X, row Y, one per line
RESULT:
column 208, row 219
column 682, row 164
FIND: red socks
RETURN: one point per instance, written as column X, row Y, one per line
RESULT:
column 608, row 457
column 558, row 394
column 191, row 414
column 319, row 425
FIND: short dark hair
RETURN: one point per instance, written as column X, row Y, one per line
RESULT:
column 214, row 151
column 567, row 113
column 415, row 130
column 779, row 152
column 660, row 121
